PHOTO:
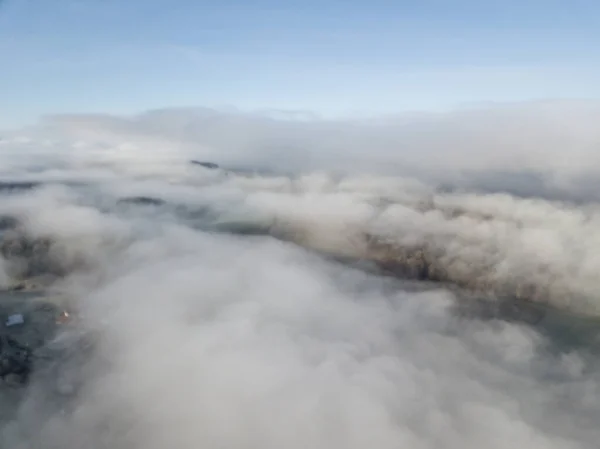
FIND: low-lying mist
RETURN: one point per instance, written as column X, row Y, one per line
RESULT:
column 304, row 292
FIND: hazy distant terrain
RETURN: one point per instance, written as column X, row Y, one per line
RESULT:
column 419, row 282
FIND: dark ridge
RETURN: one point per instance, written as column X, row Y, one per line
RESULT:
column 32, row 257
column 142, row 200
column 8, row 222
column 209, row 165
column 10, row 186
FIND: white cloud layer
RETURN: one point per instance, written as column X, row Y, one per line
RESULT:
column 210, row 339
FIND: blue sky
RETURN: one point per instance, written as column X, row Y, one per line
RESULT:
column 330, row 56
